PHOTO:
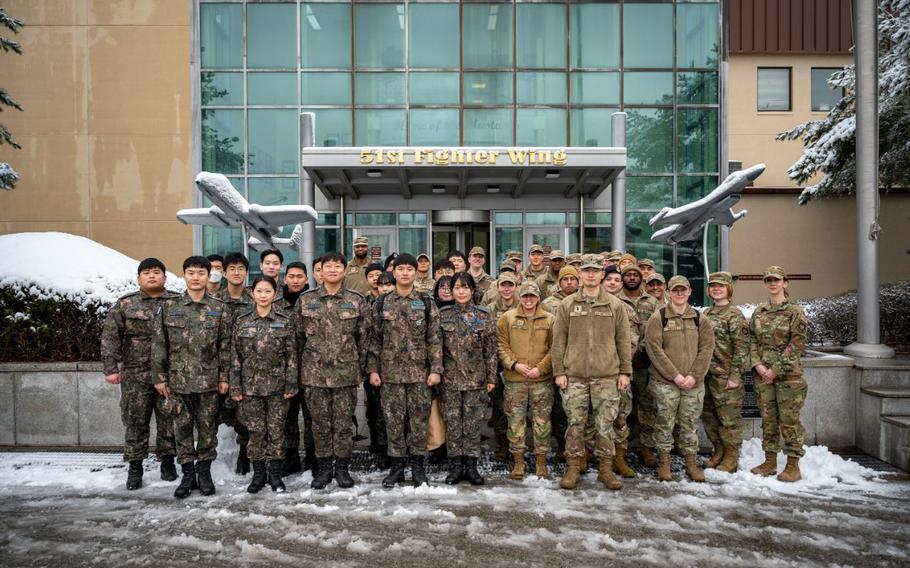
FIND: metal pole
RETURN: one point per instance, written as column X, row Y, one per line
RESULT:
column 581, row 224
column 868, row 336
column 307, row 194
column 341, row 224
column 618, row 214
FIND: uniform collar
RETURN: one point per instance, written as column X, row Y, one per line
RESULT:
column 187, row 300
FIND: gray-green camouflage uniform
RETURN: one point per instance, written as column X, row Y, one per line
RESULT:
column 723, row 407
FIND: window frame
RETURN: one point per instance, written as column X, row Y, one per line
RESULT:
column 789, row 71
column 811, row 86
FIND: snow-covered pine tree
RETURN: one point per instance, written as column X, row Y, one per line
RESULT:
column 830, row 143
column 8, row 176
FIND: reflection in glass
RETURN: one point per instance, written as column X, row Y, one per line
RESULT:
column 510, row 218
column 487, row 35
column 412, row 219
column 549, row 218
column 487, row 88
column 696, row 35
column 824, row 96
column 375, row 219
column 325, row 88
column 271, row 36
column 380, row 127
column 774, row 88
column 221, row 35
column 541, row 127
column 541, row 88
column 592, row 127
column 380, row 35
column 333, row 127
column 649, row 192
column 273, row 141
column 648, row 88
column 541, row 35
column 413, row 241
column 275, row 191
column 590, row 88
column 696, row 87
column 648, row 35
column 697, row 144
column 222, row 141
column 379, row 88
column 219, row 240
column 649, row 136
column 508, row 239
column 594, row 35
column 221, row 89
column 326, row 240
column 487, row 127
column 325, row 35
column 272, row 88
column 433, row 88
column 693, row 188
column 434, row 127
column 639, row 243
column 433, row 35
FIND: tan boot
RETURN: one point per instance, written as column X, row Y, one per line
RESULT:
column 570, row 477
column 620, row 465
column 716, row 457
column 540, row 468
column 605, row 475
column 663, row 466
column 767, row 468
column 694, row 472
column 730, row 463
column 791, row 472
column 518, row 470
column 648, row 457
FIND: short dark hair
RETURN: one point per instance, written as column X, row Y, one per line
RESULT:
column 267, row 279
column 404, row 259
column 317, row 260
column 457, row 253
column 386, row 278
column 444, row 281
column 216, row 257
column 611, row 269
column 236, row 258
column 373, row 267
column 296, row 264
column 149, row 263
column 445, row 263
column 334, row 257
column 390, row 259
column 197, row 262
column 464, row 278
column 267, row 252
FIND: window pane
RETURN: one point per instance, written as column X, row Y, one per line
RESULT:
column 383, row 127
column 375, row 219
column 541, row 88
column 487, row 127
column 325, row 35
column 541, row 39
column 506, row 240
column 648, row 35
column 221, row 35
column 508, row 218
column 774, row 89
column 222, row 141
column 553, row 218
column 412, row 219
column 272, row 88
column 697, row 140
column 433, row 35
column 325, row 88
column 541, row 127
column 221, row 89
column 271, row 35
column 221, row 240
column 327, row 219
column 594, row 35
column 433, row 88
column 693, row 188
column 592, row 127
column 333, row 127
column 597, row 239
column 648, row 88
column 597, row 218
column 273, row 141
column 696, row 35
column 413, row 241
column 595, row 88
column 639, row 243
column 326, row 240
column 379, row 88
column 487, row 40
column 434, row 127
column 649, row 192
column 697, row 87
column 380, row 35
column 487, row 88
column 276, row 191
column 649, row 135
column 824, row 97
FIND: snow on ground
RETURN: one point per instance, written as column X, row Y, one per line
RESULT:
column 72, row 509
column 60, row 265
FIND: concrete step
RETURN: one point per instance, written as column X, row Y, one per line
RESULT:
column 895, row 440
column 890, row 400
column 884, row 372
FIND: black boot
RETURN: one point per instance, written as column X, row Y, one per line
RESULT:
column 438, row 456
column 291, row 462
column 324, row 474
column 258, row 481
column 243, row 462
column 188, row 483
column 470, row 471
column 275, row 480
column 204, row 477
column 418, row 473
column 456, row 473
column 342, row 474
column 311, row 462
column 134, row 475
column 168, row 469
column 396, row 473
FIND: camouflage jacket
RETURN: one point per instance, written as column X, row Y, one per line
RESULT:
column 552, row 301
column 645, row 304
column 636, row 329
column 355, row 277
column 425, row 284
column 531, row 274
column 546, row 281
column 680, row 347
column 236, row 306
column 263, row 355
column 591, row 337
column 405, row 343
column 191, row 350
column 525, row 340
column 498, row 306
column 778, row 334
column 333, row 332
column 731, row 342
column 483, row 282
column 468, row 347
column 126, row 338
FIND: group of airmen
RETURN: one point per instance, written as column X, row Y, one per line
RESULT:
column 583, row 347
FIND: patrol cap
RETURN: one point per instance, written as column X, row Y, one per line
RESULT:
column 423, row 255
column 657, row 276
column 535, row 248
column 720, row 278
column 528, row 288
column 557, row 254
column 507, row 277
column 592, row 261
column 574, row 258
column 775, row 272
column 507, row 265
column 646, row 262
column 630, row 268
column 513, row 254
column 477, row 250
column 567, row 271
column 361, row 241
column 678, row 281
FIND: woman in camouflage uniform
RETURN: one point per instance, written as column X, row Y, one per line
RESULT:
column 724, row 393
column 470, row 372
column 263, row 378
column 778, row 333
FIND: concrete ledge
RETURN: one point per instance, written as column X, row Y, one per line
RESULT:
column 46, row 408
column 51, row 367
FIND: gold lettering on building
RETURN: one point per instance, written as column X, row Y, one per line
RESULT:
column 462, row 156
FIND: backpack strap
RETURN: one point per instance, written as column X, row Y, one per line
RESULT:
column 664, row 320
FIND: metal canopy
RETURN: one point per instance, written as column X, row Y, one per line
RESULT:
column 565, row 172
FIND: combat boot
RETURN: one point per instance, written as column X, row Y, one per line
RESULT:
column 502, row 447
column 310, row 461
column 583, row 462
column 663, row 466
column 258, row 481
column 620, row 465
column 168, row 469
column 418, row 472
column 540, row 466
column 204, row 477
column 381, row 458
column 396, row 473
column 694, row 472
column 730, row 463
column 243, row 462
column 769, row 467
column 570, row 477
column 791, row 471
column 188, row 483
column 456, row 471
column 134, row 475
column 470, row 471
column 648, row 457
column 716, row 457
column 560, row 450
column 275, row 476
column 342, row 473
column 323, row 475
column 518, row 470
column 605, row 474
column 292, row 463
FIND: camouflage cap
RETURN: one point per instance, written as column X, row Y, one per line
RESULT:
column 678, row 281
column 361, row 241
column 513, row 254
column 507, row 265
column 507, row 277
column 574, row 258
column 630, row 268
column 775, row 272
column 568, row 271
column 477, row 250
column 557, row 254
column 646, row 262
column 536, row 248
column 528, row 288
column 423, row 255
column 720, row 278
column 657, row 276
column 592, row 261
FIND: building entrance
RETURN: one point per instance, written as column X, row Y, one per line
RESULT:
column 461, row 230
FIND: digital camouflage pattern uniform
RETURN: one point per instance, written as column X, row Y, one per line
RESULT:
column 373, row 402
column 722, row 408
column 126, row 346
column 229, row 410
column 332, row 334
column 264, row 369
column 644, row 411
column 469, row 363
column 405, row 347
column 191, row 355
column 296, row 404
column 778, row 339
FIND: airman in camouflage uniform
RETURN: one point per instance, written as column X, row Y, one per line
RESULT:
column 568, row 285
column 355, row 277
column 621, row 424
column 535, row 253
column 482, row 280
column 424, row 282
column 778, row 338
column 550, row 278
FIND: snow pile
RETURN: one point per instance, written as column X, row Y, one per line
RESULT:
column 219, row 188
column 64, row 266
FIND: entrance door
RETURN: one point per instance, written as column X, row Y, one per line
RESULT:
column 383, row 241
column 463, row 237
column 550, row 238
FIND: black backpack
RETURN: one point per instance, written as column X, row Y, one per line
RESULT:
column 664, row 320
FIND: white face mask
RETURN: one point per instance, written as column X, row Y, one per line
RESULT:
column 214, row 277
